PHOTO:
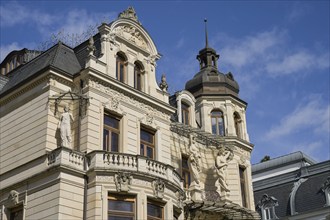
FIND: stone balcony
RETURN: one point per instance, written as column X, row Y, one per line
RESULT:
column 111, row 161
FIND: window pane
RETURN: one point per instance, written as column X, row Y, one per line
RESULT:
column 114, row 142
column 146, row 136
column 110, row 121
column 142, row 149
column 214, row 125
column 121, row 69
column 105, row 139
column 150, row 152
column 186, row 118
column 123, row 206
column 221, row 127
column 216, row 113
column 16, row 215
column 185, row 163
column 154, row 210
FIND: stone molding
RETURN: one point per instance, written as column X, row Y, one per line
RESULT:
column 122, row 97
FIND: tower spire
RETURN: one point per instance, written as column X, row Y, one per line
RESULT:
column 206, row 38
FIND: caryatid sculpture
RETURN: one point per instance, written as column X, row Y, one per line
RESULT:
column 221, row 164
column 194, row 162
column 65, row 127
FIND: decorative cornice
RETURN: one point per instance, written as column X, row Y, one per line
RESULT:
column 124, row 97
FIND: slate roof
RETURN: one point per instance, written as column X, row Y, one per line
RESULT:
column 308, row 197
column 282, row 161
column 3, row 81
column 60, row 57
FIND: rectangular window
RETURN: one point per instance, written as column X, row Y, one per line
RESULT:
column 16, row 213
column 185, row 172
column 121, row 208
column 154, row 211
column 147, row 143
column 111, row 133
column 242, row 178
column 185, row 113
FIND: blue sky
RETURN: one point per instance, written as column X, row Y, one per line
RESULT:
column 278, row 52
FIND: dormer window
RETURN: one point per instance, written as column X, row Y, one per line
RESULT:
column 138, row 70
column 185, row 113
column 217, row 122
column 266, row 207
column 121, row 67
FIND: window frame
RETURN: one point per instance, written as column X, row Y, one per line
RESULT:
column 147, row 144
column 121, row 60
column 243, row 186
column 138, row 76
column 115, row 197
column 237, row 125
column 111, row 130
column 217, row 122
column 185, row 113
column 160, row 205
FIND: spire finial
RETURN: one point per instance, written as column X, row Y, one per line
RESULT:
column 206, row 39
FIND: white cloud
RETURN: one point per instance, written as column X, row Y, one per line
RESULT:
column 239, row 53
column 269, row 53
column 180, row 43
column 6, row 49
column 13, row 13
column 311, row 115
column 297, row 62
column 298, row 11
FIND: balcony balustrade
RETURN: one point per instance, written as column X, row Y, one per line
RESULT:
column 112, row 161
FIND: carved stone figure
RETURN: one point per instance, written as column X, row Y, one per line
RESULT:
column 194, row 162
column 163, row 84
column 91, row 47
column 13, row 197
column 158, row 187
column 129, row 13
column 65, row 127
column 221, row 164
column 123, row 182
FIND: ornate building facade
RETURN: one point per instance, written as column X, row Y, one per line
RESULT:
column 87, row 133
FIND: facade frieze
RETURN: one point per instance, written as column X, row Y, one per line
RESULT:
column 117, row 97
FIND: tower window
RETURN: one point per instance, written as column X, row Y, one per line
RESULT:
column 185, row 113
column 120, row 67
column 147, row 143
column 217, row 122
column 111, row 133
column 242, row 178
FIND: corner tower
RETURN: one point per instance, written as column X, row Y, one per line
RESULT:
column 219, row 110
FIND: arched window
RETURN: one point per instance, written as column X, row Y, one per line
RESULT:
column 237, row 121
column 138, row 76
column 121, row 67
column 185, row 113
column 218, row 125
